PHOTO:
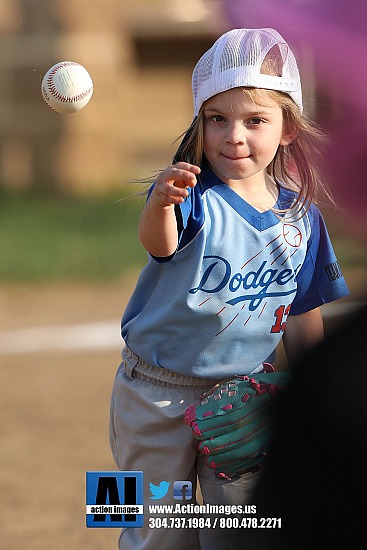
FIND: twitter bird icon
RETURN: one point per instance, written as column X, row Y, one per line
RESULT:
column 159, row 491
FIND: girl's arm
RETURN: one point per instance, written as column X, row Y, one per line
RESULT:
column 157, row 225
column 301, row 333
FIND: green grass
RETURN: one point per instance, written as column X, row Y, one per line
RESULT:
column 57, row 238
column 53, row 238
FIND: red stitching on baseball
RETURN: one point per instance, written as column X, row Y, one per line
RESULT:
column 56, row 94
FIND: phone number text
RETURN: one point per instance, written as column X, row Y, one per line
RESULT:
column 214, row 522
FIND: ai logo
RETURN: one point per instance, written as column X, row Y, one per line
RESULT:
column 114, row 499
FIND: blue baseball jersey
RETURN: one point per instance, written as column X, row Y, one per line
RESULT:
column 219, row 306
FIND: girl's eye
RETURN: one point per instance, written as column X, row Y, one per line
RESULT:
column 255, row 121
column 217, row 118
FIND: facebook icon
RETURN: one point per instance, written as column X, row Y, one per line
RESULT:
column 182, row 490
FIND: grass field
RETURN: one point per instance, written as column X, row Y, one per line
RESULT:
column 55, row 238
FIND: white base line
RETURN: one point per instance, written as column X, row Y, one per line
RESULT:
column 104, row 335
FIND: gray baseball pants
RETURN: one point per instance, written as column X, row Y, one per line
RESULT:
column 148, row 433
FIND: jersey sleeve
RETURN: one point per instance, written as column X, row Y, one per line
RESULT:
column 320, row 279
column 191, row 214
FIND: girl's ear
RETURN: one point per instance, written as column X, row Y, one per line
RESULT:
column 290, row 129
column 288, row 135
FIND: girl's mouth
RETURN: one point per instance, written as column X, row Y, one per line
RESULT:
column 234, row 158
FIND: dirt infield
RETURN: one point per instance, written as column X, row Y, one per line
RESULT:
column 54, row 411
column 54, row 419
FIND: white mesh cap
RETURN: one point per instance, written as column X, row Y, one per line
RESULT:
column 236, row 60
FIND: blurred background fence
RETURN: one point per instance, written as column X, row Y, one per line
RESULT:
column 140, row 54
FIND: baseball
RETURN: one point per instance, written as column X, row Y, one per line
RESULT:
column 67, row 87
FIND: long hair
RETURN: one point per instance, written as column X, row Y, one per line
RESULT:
column 191, row 148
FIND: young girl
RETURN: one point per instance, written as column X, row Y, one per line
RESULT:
column 239, row 258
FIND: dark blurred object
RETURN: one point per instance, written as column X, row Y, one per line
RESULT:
column 316, row 477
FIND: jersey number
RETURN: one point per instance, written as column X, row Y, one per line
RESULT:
column 280, row 315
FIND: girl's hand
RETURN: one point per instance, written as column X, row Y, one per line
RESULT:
column 172, row 183
column 158, row 225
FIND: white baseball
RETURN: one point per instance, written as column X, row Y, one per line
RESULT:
column 67, row 87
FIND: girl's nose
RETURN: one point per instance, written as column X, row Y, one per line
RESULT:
column 236, row 133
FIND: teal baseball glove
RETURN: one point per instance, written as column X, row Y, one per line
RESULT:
column 233, row 422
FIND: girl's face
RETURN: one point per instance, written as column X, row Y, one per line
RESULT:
column 241, row 137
